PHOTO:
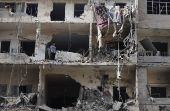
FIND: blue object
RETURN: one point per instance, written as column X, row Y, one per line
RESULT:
column 111, row 15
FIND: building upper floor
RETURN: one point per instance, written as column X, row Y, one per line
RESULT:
column 55, row 11
column 98, row 38
column 148, row 13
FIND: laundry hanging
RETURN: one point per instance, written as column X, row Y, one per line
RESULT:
column 101, row 16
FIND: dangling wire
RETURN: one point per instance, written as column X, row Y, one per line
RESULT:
column 69, row 42
column 23, row 76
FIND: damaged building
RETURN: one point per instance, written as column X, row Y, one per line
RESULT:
column 110, row 55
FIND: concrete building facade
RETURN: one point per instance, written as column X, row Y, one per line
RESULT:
column 29, row 27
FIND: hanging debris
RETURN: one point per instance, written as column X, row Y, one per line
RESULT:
column 106, row 15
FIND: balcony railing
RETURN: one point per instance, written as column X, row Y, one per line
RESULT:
column 149, row 57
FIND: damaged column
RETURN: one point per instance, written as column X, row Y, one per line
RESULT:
column 90, row 43
column 38, row 31
column 142, row 83
column 39, row 101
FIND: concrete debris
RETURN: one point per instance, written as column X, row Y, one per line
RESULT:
column 15, row 102
column 151, row 99
column 164, row 108
column 68, row 56
column 130, row 102
column 44, row 108
column 117, row 105
column 94, row 100
column 148, row 46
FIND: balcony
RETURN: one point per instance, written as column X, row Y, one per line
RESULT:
column 149, row 57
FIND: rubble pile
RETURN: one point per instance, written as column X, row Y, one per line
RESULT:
column 94, row 100
column 23, row 101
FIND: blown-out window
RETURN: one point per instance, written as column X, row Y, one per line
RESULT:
column 32, row 9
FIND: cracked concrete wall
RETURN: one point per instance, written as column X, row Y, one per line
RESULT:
column 19, row 71
column 152, row 21
column 91, row 76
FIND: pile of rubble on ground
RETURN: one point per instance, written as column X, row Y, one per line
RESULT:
column 89, row 100
column 28, row 101
column 94, row 100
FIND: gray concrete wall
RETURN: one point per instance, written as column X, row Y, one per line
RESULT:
column 142, row 82
column 18, row 73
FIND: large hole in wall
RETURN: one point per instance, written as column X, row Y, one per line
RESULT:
column 69, row 42
column 61, row 91
column 5, row 46
column 58, row 13
column 32, row 9
column 28, row 47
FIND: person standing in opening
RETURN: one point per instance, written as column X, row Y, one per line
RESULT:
column 81, row 51
column 53, row 51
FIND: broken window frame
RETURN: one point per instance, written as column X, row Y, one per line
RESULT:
column 120, row 4
column 31, row 14
column 158, row 10
column 1, row 46
column 157, row 93
column 78, row 10
column 22, row 49
column 29, row 89
column 14, row 7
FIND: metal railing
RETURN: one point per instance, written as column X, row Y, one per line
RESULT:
column 150, row 53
